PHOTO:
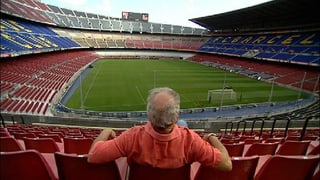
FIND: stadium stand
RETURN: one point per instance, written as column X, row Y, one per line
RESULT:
column 44, row 49
column 299, row 47
column 17, row 37
column 122, row 165
column 290, row 75
column 63, row 17
column 41, row 78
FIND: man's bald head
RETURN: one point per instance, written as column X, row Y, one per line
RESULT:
column 163, row 107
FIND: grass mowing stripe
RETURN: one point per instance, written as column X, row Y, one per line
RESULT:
column 112, row 85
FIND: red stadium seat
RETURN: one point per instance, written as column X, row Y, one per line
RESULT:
column 8, row 144
column 77, row 145
column 55, row 137
column 27, row 164
column 310, row 138
column 4, row 134
column 22, row 135
column 315, row 150
column 74, row 167
column 316, row 175
column 235, row 149
column 293, row 148
column 243, row 168
column 274, row 140
column 43, row 145
column 244, row 137
column 262, row 149
column 252, row 141
column 138, row 172
column 280, row 167
column 229, row 140
column 292, row 138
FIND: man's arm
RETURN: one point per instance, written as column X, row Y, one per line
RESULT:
column 105, row 135
column 225, row 164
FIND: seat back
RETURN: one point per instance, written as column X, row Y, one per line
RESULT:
column 316, row 175
column 229, row 140
column 235, row 149
column 55, row 137
column 74, row 167
column 315, row 150
column 288, row 167
column 8, row 144
column 274, row 140
column 28, row 164
column 43, row 145
column 138, row 172
column 243, row 168
column 4, row 133
column 252, row 141
column 77, row 145
column 23, row 135
column 293, row 148
column 292, row 138
column 262, row 149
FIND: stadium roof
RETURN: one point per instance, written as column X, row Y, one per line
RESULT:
column 272, row 15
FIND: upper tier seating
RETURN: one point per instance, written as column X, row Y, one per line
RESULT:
column 29, row 9
column 18, row 37
column 59, row 16
column 299, row 47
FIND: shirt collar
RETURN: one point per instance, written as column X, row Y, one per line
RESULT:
column 162, row 137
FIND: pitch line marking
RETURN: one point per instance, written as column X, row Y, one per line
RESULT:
column 140, row 95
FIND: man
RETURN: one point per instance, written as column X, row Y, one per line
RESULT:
column 161, row 143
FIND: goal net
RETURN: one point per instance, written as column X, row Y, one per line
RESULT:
column 221, row 94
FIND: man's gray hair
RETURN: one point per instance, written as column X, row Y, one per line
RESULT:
column 169, row 114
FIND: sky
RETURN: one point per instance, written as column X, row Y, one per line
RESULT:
column 177, row 12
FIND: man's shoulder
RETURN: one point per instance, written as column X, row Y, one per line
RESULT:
column 188, row 132
column 136, row 129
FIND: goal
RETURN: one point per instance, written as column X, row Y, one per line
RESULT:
column 221, row 94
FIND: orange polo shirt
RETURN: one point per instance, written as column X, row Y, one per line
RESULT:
column 145, row 146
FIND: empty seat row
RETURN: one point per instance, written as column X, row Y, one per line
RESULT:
column 46, row 144
column 17, row 165
column 202, row 173
column 287, row 148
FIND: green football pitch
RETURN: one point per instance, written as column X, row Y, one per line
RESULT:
column 123, row 85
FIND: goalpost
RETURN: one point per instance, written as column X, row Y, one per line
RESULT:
column 221, row 94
